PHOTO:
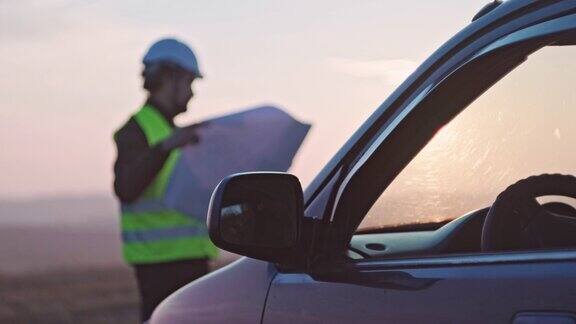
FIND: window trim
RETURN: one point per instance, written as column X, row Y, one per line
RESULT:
column 444, row 261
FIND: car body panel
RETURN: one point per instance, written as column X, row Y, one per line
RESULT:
column 482, row 292
column 233, row 294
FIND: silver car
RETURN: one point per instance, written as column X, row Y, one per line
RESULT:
column 452, row 203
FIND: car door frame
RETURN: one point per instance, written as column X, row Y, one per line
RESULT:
column 339, row 210
column 322, row 194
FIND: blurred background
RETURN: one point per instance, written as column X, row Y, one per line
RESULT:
column 70, row 76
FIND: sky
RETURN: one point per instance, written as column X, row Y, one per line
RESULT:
column 71, row 70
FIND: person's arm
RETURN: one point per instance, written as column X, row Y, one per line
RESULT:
column 137, row 164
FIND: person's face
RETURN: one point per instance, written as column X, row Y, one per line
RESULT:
column 182, row 92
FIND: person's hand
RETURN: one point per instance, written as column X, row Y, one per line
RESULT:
column 182, row 136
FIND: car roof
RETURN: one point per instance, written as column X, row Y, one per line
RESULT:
column 510, row 8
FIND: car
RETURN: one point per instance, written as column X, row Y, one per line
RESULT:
column 452, row 203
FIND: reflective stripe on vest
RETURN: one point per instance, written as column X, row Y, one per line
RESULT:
column 151, row 232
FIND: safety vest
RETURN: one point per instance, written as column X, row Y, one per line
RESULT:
column 152, row 232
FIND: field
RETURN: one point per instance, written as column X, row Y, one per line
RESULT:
column 60, row 263
column 105, row 295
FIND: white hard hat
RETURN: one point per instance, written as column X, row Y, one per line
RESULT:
column 170, row 50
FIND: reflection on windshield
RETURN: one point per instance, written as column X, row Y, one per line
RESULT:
column 520, row 127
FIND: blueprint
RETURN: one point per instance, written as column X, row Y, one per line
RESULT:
column 260, row 139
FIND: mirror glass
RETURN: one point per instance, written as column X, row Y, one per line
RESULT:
column 261, row 210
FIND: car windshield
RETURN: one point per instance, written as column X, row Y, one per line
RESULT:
column 522, row 126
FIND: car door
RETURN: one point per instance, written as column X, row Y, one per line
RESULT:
column 411, row 276
column 479, row 289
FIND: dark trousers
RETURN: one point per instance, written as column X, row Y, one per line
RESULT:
column 157, row 281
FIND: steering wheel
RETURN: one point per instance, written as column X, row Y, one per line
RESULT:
column 517, row 221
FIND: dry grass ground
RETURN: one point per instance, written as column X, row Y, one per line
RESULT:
column 75, row 296
column 60, row 262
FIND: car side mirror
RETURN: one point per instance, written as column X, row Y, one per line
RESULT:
column 258, row 215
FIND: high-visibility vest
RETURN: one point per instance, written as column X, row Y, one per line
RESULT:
column 152, row 232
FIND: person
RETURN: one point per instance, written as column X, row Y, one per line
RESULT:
column 166, row 248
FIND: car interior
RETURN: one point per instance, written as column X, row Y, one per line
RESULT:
column 552, row 225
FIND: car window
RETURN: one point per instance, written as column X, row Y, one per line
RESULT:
column 522, row 126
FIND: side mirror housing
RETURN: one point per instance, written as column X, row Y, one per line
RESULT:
column 258, row 215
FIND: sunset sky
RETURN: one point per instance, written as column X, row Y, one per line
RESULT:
column 71, row 73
